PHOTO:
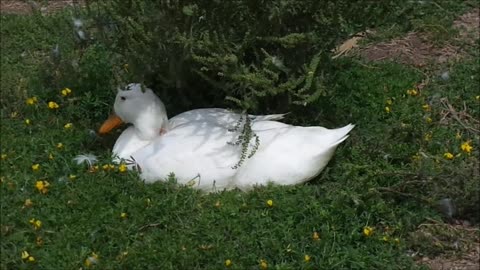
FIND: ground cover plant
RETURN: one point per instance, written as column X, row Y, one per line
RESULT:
column 413, row 152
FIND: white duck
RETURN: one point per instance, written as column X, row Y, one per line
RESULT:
column 197, row 145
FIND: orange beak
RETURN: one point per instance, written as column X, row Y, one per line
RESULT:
column 111, row 123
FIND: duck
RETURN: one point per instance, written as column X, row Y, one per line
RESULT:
column 207, row 149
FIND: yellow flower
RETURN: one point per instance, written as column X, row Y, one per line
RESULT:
column 25, row 255
column 477, row 97
column 66, row 91
column 385, row 238
column 228, row 263
column 426, row 107
column 448, row 155
column 68, row 126
column 37, row 224
column 72, row 177
column 52, row 105
column 316, row 236
column 306, row 258
column 218, row 204
column 42, row 186
column 31, row 101
column 412, row 92
column 59, row 145
column 91, row 260
column 389, row 101
column 122, row 168
column 270, row 203
column 396, row 240
column 4, row 156
column 13, row 114
column 123, row 215
column 458, row 136
column 263, row 264
column 28, row 122
column 427, row 137
column 39, row 241
column 28, row 203
column 416, row 157
column 367, row 231
column 35, row 167
column 387, row 109
column 50, row 156
column 428, row 120
column 466, row 147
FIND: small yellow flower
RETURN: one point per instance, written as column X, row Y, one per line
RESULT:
column 428, row 120
column 72, row 177
column 14, row 115
column 68, row 126
column 122, row 168
column 367, row 231
column 66, row 91
column 416, row 157
column 35, row 167
column 477, row 97
column 387, row 109
column 218, row 204
column 466, row 147
column 389, row 101
column 39, row 241
column 25, row 255
column 52, row 105
column 385, row 238
column 448, row 155
column 316, row 236
column 396, row 240
column 426, row 107
column 28, row 203
column 42, row 186
column 91, row 260
column 28, row 122
column 31, row 101
column 263, row 264
column 59, row 145
column 123, row 215
column 306, row 258
column 31, row 259
column 93, row 169
column 458, row 136
column 228, row 263
column 270, row 203
column 4, row 156
column 148, row 201
column 50, row 156
column 37, row 224
column 427, row 137
column 412, row 92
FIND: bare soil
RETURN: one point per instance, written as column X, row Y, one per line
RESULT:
column 415, row 48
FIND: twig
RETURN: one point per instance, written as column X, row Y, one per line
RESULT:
column 149, row 226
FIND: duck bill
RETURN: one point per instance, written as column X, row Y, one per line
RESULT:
column 111, row 123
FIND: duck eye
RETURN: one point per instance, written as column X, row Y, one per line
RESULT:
column 123, row 98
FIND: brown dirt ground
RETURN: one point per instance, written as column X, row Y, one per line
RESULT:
column 413, row 49
column 27, row 7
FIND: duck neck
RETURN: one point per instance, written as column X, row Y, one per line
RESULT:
column 151, row 125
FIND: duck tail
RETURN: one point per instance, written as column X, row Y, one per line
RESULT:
column 342, row 134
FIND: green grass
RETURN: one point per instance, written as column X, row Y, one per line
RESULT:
column 373, row 180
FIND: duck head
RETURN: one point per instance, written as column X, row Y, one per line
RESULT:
column 139, row 106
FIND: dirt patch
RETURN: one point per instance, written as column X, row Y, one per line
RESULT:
column 414, row 49
column 451, row 246
column 29, row 7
